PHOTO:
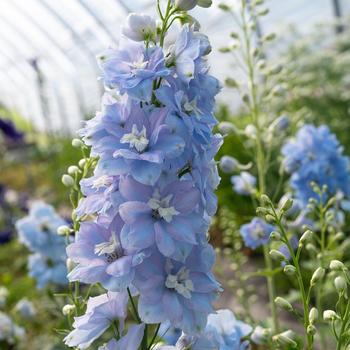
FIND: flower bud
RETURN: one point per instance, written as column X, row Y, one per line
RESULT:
column 275, row 235
column 77, row 143
column 82, row 163
column 311, row 329
column 285, row 338
column 311, row 248
column 67, row 180
column 250, row 131
column 305, row 236
column 288, row 203
column 227, row 128
column 329, row 315
column 313, row 315
column 232, row 83
column 339, row 236
column 140, row 27
column 260, row 335
column 279, row 125
column 340, row 284
column 337, row 265
column 265, row 199
column 283, row 304
column 228, row 164
column 317, row 275
column 224, row 7
column 68, row 309
column 263, row 12
column 70, row 264
column 289, row 270
column 72, row 170
column 270, row 219
column 185, row 5
column 63, row 230
column 277, row 255
column 205, row 3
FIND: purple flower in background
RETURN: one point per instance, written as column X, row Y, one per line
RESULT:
column 132, row 68
column 256, row 233
column 9, row 130
column 162, row 216
column 101, row 258
column 100, row 313
column 244, row 183
column 181, row 293
column 130, row 341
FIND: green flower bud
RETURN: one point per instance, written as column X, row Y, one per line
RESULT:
column 224, row 7
column 277, row 255
column 70, row 264
column 63, row 230
column 185, row 5
column 337, row 265
column 311, row 329
column 275, row 235
column 227, row 128
column 340, row 284
column 305, row 236
column 205, row 3
column 313, row 315
column 289, row 270
column 283, row 304
column 269, row 37
column 317, row 275
column 270, row 219
column 77, row 143
column 329, row 315
column 72, row 170
column 67, row 180
column 232, row 83
column 285, row 338
column 82, row 163
column 287, row 204
column 68, row 309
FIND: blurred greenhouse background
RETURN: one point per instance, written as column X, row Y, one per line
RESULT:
column 48, row 68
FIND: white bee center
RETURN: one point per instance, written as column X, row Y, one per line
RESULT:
column 180, row 282
column 161, row 207
column 136, row 139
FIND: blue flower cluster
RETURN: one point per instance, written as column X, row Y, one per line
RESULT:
column 316, row 155
column 38, row 232
column 256, row 233
column 152, row 191
column 223, row 332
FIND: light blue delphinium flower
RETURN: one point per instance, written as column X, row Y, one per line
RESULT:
column 100, row 313
column 132, row 68
column 155, row 178
column 46, row 270
column 187, row 53
column 136, row 140
column 223, row 332
column 25, row 308
column 38, row 231
column 244, row 183
column 316, row 155
column 101, row 258
column 10, row 333
column 256, row 233
column 166, row 217
column 181, row 293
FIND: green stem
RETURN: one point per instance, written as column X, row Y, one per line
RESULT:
column 304, row 297
column 271, row 291
column 260, row 157
column 343, row 325
column 154, row 337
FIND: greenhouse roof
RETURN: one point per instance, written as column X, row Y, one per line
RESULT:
column 48, row 48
